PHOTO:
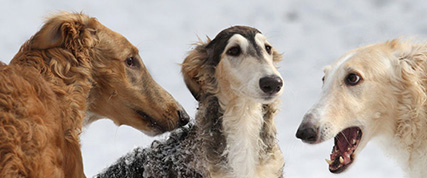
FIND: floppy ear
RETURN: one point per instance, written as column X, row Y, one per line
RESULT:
column 411, row 57
column 64, row 30
column 192, row 69
column 411, row 69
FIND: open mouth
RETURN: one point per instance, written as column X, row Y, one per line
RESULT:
column 342, row 154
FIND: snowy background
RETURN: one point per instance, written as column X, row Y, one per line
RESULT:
column 311, row 34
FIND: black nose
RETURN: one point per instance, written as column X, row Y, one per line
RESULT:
column 183, row 118
column 271, row 84
column 307, row 133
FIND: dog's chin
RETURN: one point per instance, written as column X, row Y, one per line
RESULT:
column 154, row 127
column 267, row 99
column 260, row 97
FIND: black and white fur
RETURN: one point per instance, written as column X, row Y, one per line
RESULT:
column 238, row 87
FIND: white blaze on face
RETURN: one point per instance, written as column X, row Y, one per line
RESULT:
column 238, row 79
column 261, row 41
column 243, row 72
column 327, row 103
column 332, row 72
column 269, row 67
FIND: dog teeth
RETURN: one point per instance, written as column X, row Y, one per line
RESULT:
column 347, row 155
column 341, row 159
column 354, row 141
column 328, row 161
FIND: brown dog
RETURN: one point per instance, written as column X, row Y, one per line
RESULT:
column 73, row 68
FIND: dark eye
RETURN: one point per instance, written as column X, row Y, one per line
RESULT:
column 130, row 61
column 352, row 79
column 268, row 48
column 234, row 51
column 323, row 79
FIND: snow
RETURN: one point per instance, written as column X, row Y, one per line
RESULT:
column 311, row 34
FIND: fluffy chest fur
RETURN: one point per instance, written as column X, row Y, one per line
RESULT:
column 242, row 122
column 250, row 148
column 408, row 150
column 211, row 148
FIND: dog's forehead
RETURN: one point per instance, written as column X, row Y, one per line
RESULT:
column 116, row 41
column 223, row 37
column 216, row 47
column 366, row 61
column 245, row 31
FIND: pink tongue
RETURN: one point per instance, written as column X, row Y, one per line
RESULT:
column 345, row 139
column 342, row 143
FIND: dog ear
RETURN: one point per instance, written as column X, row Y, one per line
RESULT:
column 410, row 69
column 411, row 55
column 192, row 69
column 277, row 57
column 64, row 30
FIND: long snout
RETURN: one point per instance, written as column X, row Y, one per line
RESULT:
column 167, row 111
column 158, row 110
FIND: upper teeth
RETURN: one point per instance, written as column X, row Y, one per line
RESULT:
column 328, row 161
column 341, row 159
column 354, row 141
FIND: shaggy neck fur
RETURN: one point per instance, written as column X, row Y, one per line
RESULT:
column 405, row 136
column 242, row 122
column 66, row 71
column 206, row 149
column 237, row 132
column 409, row 139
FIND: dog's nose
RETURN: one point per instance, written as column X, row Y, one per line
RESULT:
column 271, row 84
column 183, row 118
column 307, row 132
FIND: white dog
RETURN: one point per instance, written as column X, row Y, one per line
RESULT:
column 374, row 91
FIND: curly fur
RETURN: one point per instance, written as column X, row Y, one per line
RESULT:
column 211, row 148
column 59, row 75
column 410, row 139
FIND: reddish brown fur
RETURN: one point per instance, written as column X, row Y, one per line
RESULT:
column 72, row 66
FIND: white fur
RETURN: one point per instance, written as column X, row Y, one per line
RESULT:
column 241, row 99
column 388, row 104
column 245, row 71
column 242, row 122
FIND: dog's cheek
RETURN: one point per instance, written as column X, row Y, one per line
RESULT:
column 132, row 77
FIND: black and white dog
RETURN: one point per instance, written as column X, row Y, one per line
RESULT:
column 238, row 87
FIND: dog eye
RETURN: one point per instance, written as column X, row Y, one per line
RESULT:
column 323, row 79
column 130, row 61
column 234, row 51
column 352, row 79
column 268, row 48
